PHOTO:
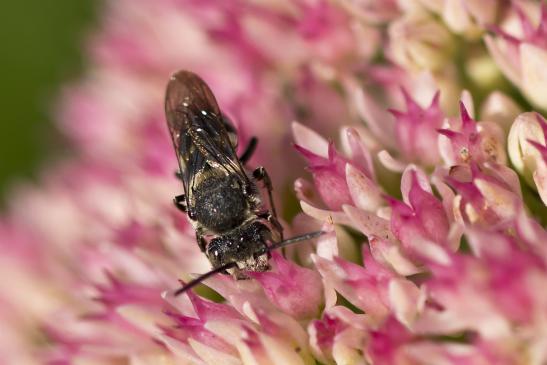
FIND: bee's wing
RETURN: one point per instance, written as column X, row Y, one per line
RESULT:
column 197, row 129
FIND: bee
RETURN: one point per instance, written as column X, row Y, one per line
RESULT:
column 234, row 228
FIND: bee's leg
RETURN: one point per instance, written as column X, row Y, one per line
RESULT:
column 249, row 150
column 180, row 203
column 178, row 175
column 274, row 222
column 200, row 239
column 260, row 174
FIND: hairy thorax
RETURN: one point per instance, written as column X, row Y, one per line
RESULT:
column 220, row 203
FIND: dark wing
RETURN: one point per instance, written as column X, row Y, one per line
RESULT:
column 198, row 130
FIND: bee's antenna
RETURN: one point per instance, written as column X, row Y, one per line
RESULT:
column 290, row 241
column 200, row 278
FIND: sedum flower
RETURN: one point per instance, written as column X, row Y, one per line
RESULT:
column 331, row 170
column 419, row 219
column 430, row 254
column 338, row 336
column 527, row 150
column 417, row 130
column 521, row 51
column 468, row 141
column 485, row 195
column 418, row 41
column 295, row 290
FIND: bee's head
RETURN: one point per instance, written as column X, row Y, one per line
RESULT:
column 245, row 245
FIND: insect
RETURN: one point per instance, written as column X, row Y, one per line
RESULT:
column 234, row 228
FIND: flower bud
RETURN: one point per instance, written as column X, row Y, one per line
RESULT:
column 528, row 151
column 521, row 54
column 418, row 41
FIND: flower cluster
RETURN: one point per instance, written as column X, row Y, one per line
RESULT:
column 431, row 196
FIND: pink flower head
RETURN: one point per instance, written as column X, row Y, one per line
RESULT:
column 433, row 256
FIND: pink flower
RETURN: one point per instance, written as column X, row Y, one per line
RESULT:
column 521, row 51
column 328, row 175
column 295, row 290
column 330, row 170
column 421, row 219
column 338, row 336
column 483, row 196
column 417, row 130
column 418, row 41
column 431, row 251
column 472, row 141
column 528, row 151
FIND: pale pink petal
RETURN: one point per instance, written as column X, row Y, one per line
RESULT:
column 390, row 162
column 305, row 191
column 182, row 350
column 324, row 215
column 369, row 223
column 497, row 49
column 365, row 194
column 390, row 254
column 534, row 75
column 310, row 140
column 502, row 201
column 355, row 147
column 406, row 300
column 379, row 121
column 467, row 100
column 212, row 356
column 408, row 179
column 540, row 179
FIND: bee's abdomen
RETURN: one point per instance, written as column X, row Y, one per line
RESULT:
column 220, row 204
